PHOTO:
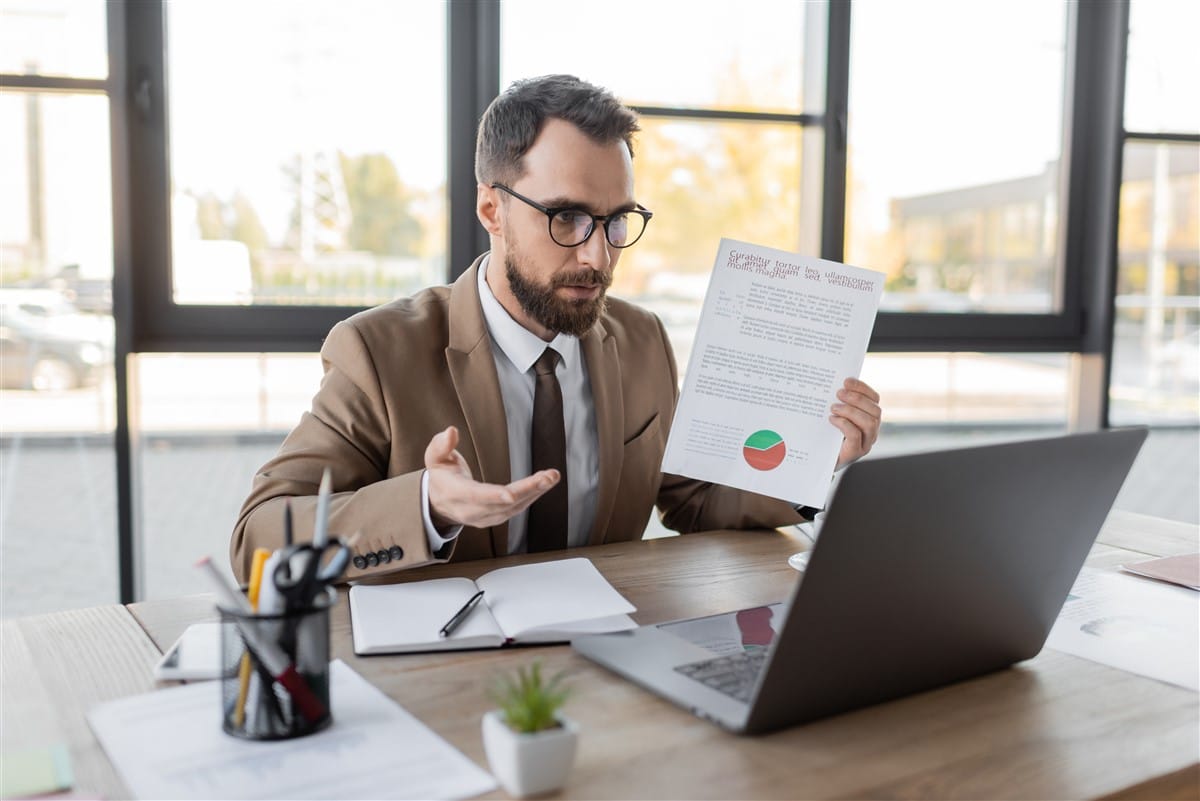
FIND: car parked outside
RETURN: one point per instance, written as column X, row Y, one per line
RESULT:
column 47, row 344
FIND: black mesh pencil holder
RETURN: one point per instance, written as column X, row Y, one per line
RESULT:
column 277, row 685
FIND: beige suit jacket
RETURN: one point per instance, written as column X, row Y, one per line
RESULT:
column 397, row 374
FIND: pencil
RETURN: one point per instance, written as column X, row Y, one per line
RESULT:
column 321, row 527
column 256, row 571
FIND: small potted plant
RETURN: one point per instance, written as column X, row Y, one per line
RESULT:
column 530, row 744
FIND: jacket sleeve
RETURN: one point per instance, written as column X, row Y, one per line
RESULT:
column 347, row 430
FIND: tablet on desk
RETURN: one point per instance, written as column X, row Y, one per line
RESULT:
column 195, row 655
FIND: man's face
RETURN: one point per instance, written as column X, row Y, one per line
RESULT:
column 546, row 287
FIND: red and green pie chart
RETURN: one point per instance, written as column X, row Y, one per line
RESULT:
column 764, row 450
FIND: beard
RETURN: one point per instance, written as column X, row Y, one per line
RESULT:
column 542, row 303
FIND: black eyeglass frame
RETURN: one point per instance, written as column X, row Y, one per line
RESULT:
column 604, row 219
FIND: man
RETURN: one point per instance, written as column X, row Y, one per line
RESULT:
column 439, row 414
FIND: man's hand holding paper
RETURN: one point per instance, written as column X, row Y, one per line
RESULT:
column 772, row 403
column 857, row 416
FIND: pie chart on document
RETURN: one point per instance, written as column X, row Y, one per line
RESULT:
column 764, row 450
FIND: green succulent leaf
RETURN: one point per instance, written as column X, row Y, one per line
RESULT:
column 529, row 702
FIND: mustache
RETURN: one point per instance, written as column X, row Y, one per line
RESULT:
column 583, row 277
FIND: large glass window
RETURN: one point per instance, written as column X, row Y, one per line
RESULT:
column 1162, row 64
column 197, row 469
column 307, row 166
column 1155, row 373
column 57, row 410
column 955, row 124
column 1156, row 337
column 719, row 56
column 706, row 180
column 756, row 179
column 53, row 37
column 966, row 390
column 308, row 160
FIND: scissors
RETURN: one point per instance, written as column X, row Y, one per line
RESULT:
column 300, row 575
column 300, row 578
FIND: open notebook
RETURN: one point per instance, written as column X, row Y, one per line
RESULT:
column 539, row 603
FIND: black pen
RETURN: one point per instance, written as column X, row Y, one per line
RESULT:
column 287, row 522
column 460, row 615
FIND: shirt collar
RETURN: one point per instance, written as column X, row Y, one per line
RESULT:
column 521, row 346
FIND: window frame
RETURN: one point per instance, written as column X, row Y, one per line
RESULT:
column 147, row 320
column 473, row 64
column 1089, row 162
column 1126, row 137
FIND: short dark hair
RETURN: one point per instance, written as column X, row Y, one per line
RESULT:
column 514, row 119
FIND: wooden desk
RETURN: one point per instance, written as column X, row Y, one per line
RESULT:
column 1053, row 727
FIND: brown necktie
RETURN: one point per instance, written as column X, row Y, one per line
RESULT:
column 546, row 529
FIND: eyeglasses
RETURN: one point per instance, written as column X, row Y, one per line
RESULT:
column 571, row 227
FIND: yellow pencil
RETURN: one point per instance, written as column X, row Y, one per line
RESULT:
column 256, row 573
column 261, row 555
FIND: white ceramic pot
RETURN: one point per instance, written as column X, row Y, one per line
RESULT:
column 529, row 764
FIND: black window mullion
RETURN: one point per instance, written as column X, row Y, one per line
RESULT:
column 727, row 115
column 1094, row 182
column 144, row 93
column 125, row 434
column 54, row 83
column 1093, row 200
column 982, row 333
column 837, row 103
column 1173, row 138
column 473, row 80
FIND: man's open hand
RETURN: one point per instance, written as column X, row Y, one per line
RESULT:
column 456, row 498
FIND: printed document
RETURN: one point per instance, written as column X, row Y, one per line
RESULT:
column 169, row 744
column 1135, row 624
column 778, row 335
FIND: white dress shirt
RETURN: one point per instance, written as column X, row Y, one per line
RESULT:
column 515, row 349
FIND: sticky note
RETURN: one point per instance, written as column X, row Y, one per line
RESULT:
column 35, row 771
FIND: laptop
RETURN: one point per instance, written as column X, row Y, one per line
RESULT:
column 930, row 568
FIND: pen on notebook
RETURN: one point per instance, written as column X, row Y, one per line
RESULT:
column 270, row 655
column 321, row 529
column 460, row 615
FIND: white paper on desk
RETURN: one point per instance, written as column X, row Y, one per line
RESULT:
column 1133, row 624
column 778, row 334
column 169, row 744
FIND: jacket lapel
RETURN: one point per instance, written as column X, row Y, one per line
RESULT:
column 473, row 370
column 604, row 375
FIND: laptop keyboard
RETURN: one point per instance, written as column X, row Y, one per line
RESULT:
column 734, row 675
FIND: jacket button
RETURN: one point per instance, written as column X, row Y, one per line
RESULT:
column 396, row 552
column 360, row 562
column 383, row 556
column 373, row 559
